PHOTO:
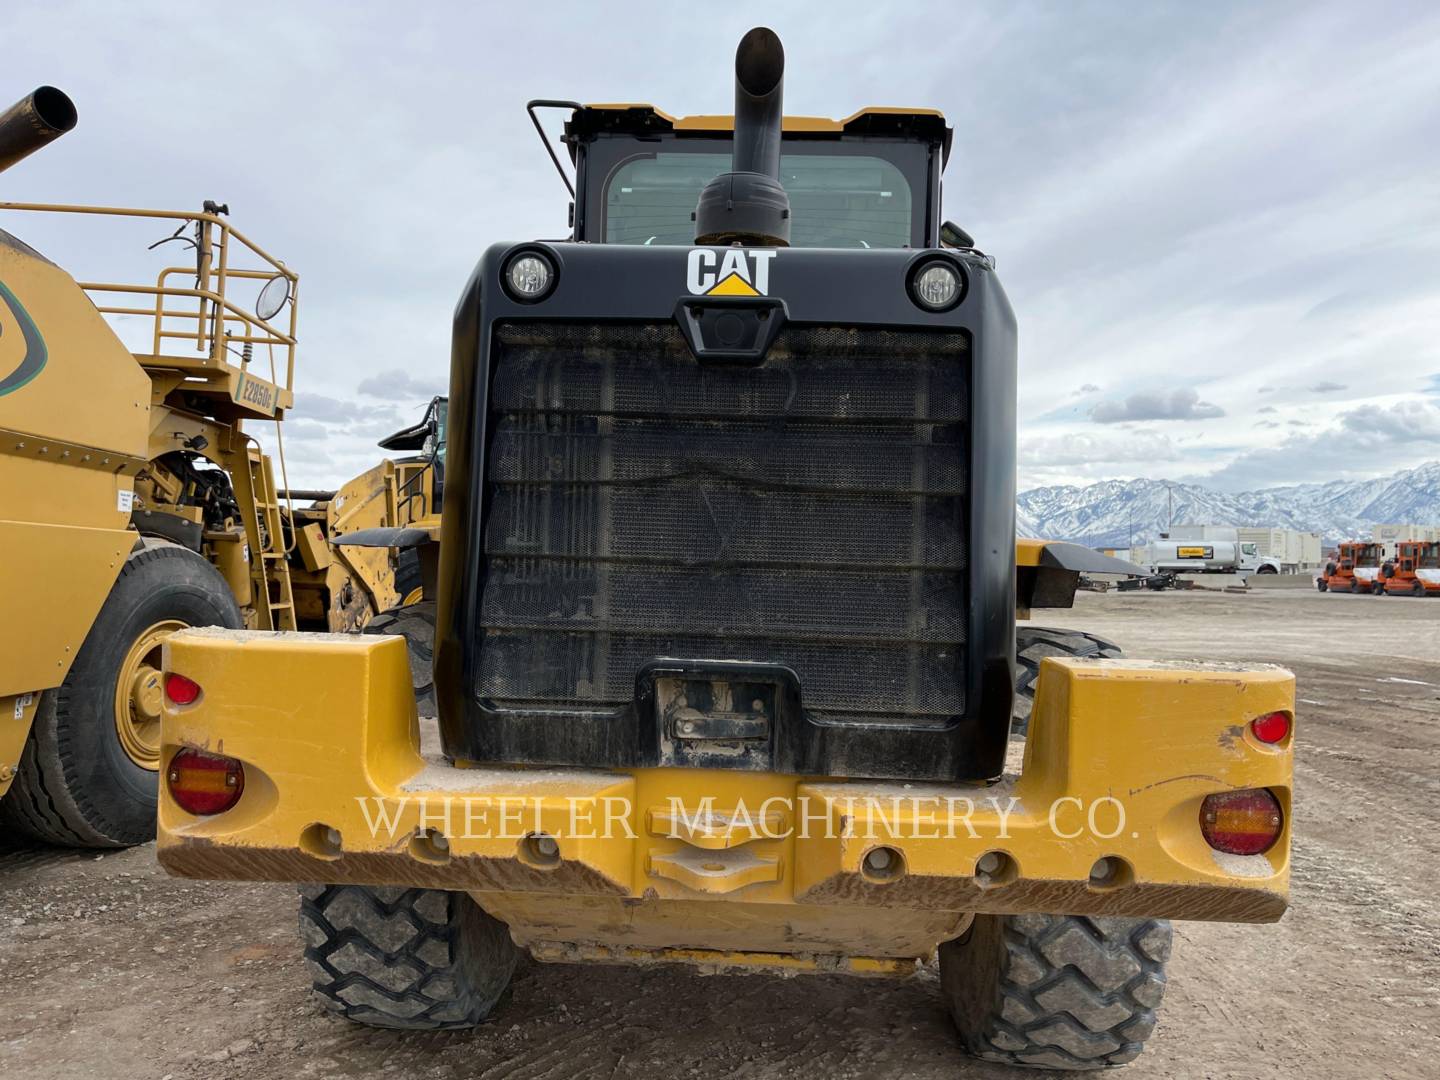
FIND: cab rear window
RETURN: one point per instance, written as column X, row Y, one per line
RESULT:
column 839, row 201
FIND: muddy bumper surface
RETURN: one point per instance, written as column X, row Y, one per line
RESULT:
column 1101, row 816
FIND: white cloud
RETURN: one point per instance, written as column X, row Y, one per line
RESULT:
column 1082, row 448
column 1403, row 422
column 1167, row 218
column 1181, row 404
column 1401, row 434
column 394, row 385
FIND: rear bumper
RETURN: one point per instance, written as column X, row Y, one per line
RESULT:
column 1399, row 586
column 1120, row 756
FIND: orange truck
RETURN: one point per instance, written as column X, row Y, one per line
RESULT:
column 1356, row 567
column 1417, row 569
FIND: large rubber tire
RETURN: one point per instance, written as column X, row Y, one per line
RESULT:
column 76, row 786
column 416, row 624
column 1321, row 584
column 1418, row 588
column 409, row 581
column 1056, row 991
column 1033, row 644
column 404, row 958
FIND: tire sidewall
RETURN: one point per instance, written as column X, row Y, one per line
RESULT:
column 408, row 576
column 158, row 583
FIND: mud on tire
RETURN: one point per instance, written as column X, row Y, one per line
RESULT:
column 416, row 624
column 420, row 959
column 1056, row 991
column 1033, row 644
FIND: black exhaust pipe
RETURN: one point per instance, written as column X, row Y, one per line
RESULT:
column 748, row 205
column 33, row 121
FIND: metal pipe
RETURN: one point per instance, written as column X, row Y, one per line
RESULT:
column 759, row 83
column 33, row 121
column 748, row 205
column 307, row 494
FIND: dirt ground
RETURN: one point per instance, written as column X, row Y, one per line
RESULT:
column 109, row 968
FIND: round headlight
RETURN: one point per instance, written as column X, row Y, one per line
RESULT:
column 530, row 276
column 936, row 285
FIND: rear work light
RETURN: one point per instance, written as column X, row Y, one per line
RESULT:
column 180, row 690
column 1271, row 728
column 203, row 784
column 1245, row 822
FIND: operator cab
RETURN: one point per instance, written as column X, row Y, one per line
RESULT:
column 871, row 180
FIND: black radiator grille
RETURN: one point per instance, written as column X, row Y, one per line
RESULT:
column 807, row 512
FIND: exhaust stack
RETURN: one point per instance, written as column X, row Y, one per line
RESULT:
column 748, row 205
column 33, row 121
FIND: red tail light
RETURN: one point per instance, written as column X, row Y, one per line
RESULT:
column 180, row 690
column 204, row 784
column 1246, row 822
column 1272, row 727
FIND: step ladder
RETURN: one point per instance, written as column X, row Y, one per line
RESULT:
column 269, row 570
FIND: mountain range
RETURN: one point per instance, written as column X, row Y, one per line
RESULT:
column 1112, row 513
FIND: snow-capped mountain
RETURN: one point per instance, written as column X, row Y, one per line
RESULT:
column 1110, row 513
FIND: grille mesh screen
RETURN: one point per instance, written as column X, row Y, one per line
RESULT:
column 807, row 512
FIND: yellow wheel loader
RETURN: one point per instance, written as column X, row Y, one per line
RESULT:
column 135, row 501
column 367, row 547
column 725, row 636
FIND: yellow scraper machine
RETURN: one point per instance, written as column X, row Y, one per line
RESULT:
column 725, row 645
column 136, row 499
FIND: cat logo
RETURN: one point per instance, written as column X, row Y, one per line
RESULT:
column 22, row 349
column 729, row 272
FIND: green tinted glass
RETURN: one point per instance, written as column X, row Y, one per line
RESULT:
column 835, row 201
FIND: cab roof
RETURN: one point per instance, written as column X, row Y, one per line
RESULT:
column 629, row 118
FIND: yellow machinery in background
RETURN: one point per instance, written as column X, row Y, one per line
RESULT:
column 135, row 500
column 369, row 546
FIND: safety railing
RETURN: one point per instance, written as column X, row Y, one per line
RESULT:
column 206, row 313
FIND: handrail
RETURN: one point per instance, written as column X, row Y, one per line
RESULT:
column 158, row 215
column 214, row 314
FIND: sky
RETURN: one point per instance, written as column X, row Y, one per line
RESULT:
column 1219, row 224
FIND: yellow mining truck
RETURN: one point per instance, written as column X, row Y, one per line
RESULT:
column 725, row 650
column 135, row 500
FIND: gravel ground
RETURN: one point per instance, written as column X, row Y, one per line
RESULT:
column 109, row 968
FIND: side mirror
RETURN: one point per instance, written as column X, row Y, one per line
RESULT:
column 272, row 297
column 951, row 235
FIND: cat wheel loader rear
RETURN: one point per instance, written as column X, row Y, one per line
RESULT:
column 724, row 659
column 135, row 501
